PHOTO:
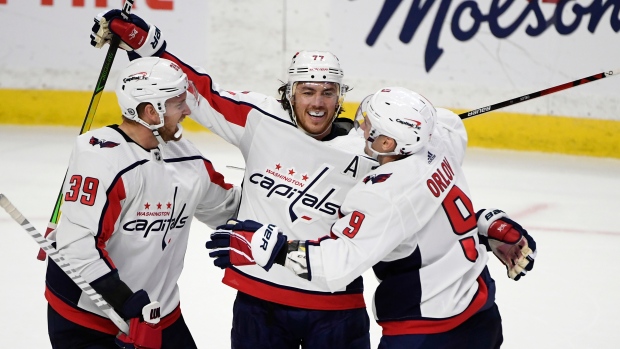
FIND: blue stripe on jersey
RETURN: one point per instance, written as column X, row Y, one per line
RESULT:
column 187, row 158
column 399, row 294
column 62, row 285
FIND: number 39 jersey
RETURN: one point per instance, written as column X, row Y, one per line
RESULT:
column 411, row 220
column 130, row 209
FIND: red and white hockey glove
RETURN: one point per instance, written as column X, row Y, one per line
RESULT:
column 510, row 243
column 144, row 328
column 138, row 38
column 245, row 243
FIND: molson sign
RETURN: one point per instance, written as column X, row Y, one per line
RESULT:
column 468, row 54
column 468, row 16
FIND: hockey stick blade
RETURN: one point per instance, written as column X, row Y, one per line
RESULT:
column 90, row 113
column 53, row 254
column 540, row 93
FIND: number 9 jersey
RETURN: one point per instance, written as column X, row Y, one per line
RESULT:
column 413, row 222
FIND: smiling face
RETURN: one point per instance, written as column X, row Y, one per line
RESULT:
column 176, row 110
column 315, row 104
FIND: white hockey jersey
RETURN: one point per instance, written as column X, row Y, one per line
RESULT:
column 412, row 220
column 130, row 209
column 291, row 180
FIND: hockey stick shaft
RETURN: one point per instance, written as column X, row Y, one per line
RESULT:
column 540, row 93
column 53, row 254
column 105, row 72
column 90, row 113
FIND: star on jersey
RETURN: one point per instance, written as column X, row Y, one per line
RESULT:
column 376, row 178
column 297, row 192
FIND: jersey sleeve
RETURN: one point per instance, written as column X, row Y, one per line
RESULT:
column 360, row 239
column 220, row 201
column 92, row 203
column 229, row 114
column 453, row 132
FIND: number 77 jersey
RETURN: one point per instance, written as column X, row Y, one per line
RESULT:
column 413, row 222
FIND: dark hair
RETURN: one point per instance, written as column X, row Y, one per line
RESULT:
column 286, row 105
column 140, row 108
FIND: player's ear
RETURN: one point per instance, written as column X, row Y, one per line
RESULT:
column 388, row 144
column 149, row 114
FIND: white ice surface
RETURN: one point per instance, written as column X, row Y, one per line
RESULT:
column 571, row 205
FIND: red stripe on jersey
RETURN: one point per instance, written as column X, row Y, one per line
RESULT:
column 395, row 328
column 80, row 317
column 216, row 177
column 115, row 195
column 233, row 112
column 292, row 298
column 94, row 321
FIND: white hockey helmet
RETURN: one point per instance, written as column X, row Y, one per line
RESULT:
column 153, row 80
column 315, row 66
column 401, row 114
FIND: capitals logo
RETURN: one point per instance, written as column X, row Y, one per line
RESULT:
column 165, row 225
column 376, row 178
column 298, row 193
column 102, row 143
column 147, row 225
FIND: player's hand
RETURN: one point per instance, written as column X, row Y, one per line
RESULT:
column 144, row 328
column 139, row 38
column 296, row 259
column 510, row 243
column 244, row 243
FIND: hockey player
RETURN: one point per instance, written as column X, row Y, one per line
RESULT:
column 413, row 222
column 130, row 195
column 299, row 164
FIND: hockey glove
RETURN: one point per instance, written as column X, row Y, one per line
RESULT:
column 510, row 243
column 144, row 329
column 245, row 243
column 138, row 38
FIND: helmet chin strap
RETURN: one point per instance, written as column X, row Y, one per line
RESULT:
column 153, row 128
column 158, row 137
column 373, row 153
column 179, row 132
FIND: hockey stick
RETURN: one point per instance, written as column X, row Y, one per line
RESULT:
column 63, row 264
column 90, row 113
column 537, row 94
